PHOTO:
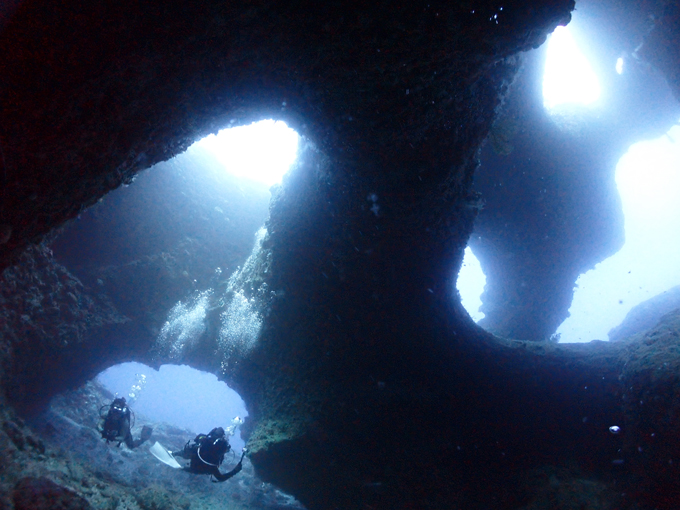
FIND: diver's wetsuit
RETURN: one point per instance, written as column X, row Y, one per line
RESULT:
column 116, row 426
column 205, row 454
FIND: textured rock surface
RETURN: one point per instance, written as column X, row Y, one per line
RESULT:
column 368, row 385
column 646, row 315
column 650, row 377
column 51, row 326
column 103, row 92
column 59, row 461
column 43, row 494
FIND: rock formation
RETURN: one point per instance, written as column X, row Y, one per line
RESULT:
column 646, row 315
column 551, row 207
column 368, row 384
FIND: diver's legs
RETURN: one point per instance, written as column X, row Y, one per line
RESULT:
column 146, row 434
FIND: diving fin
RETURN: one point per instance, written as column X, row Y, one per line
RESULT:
column 158, row 451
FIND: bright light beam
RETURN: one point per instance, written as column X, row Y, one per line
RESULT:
column 470, row 284
column 263, row 151
column 648, row 179
column 568, row 76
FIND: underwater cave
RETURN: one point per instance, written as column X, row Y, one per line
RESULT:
column 329, row 302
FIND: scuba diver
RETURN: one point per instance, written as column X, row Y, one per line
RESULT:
column 206, row 453
column 116, row 423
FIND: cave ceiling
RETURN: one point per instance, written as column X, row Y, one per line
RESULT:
column 368, row 383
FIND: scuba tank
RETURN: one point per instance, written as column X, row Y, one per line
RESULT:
column 117, row 418
column 212, row 447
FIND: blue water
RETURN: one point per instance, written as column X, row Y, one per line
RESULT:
column 178, row 395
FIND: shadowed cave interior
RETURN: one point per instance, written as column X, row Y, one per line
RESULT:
column 366, row 382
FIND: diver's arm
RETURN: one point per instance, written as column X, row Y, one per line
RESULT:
column 219, row 477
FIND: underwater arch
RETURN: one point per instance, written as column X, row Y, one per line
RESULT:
column 178, row 395
column 183, row 239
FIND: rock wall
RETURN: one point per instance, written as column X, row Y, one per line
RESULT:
column 101, row 93
column 55, row 333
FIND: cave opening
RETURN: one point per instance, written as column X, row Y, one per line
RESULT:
column 263, row 151
column 645, row 268
column 568, row 78
column 568, row 82
column 557, row 164
column 177, row 403
column 470, row 284
column 180, row 240
column 186, row 223
column 646, row 177
column 178, row 395
column 163, row 251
